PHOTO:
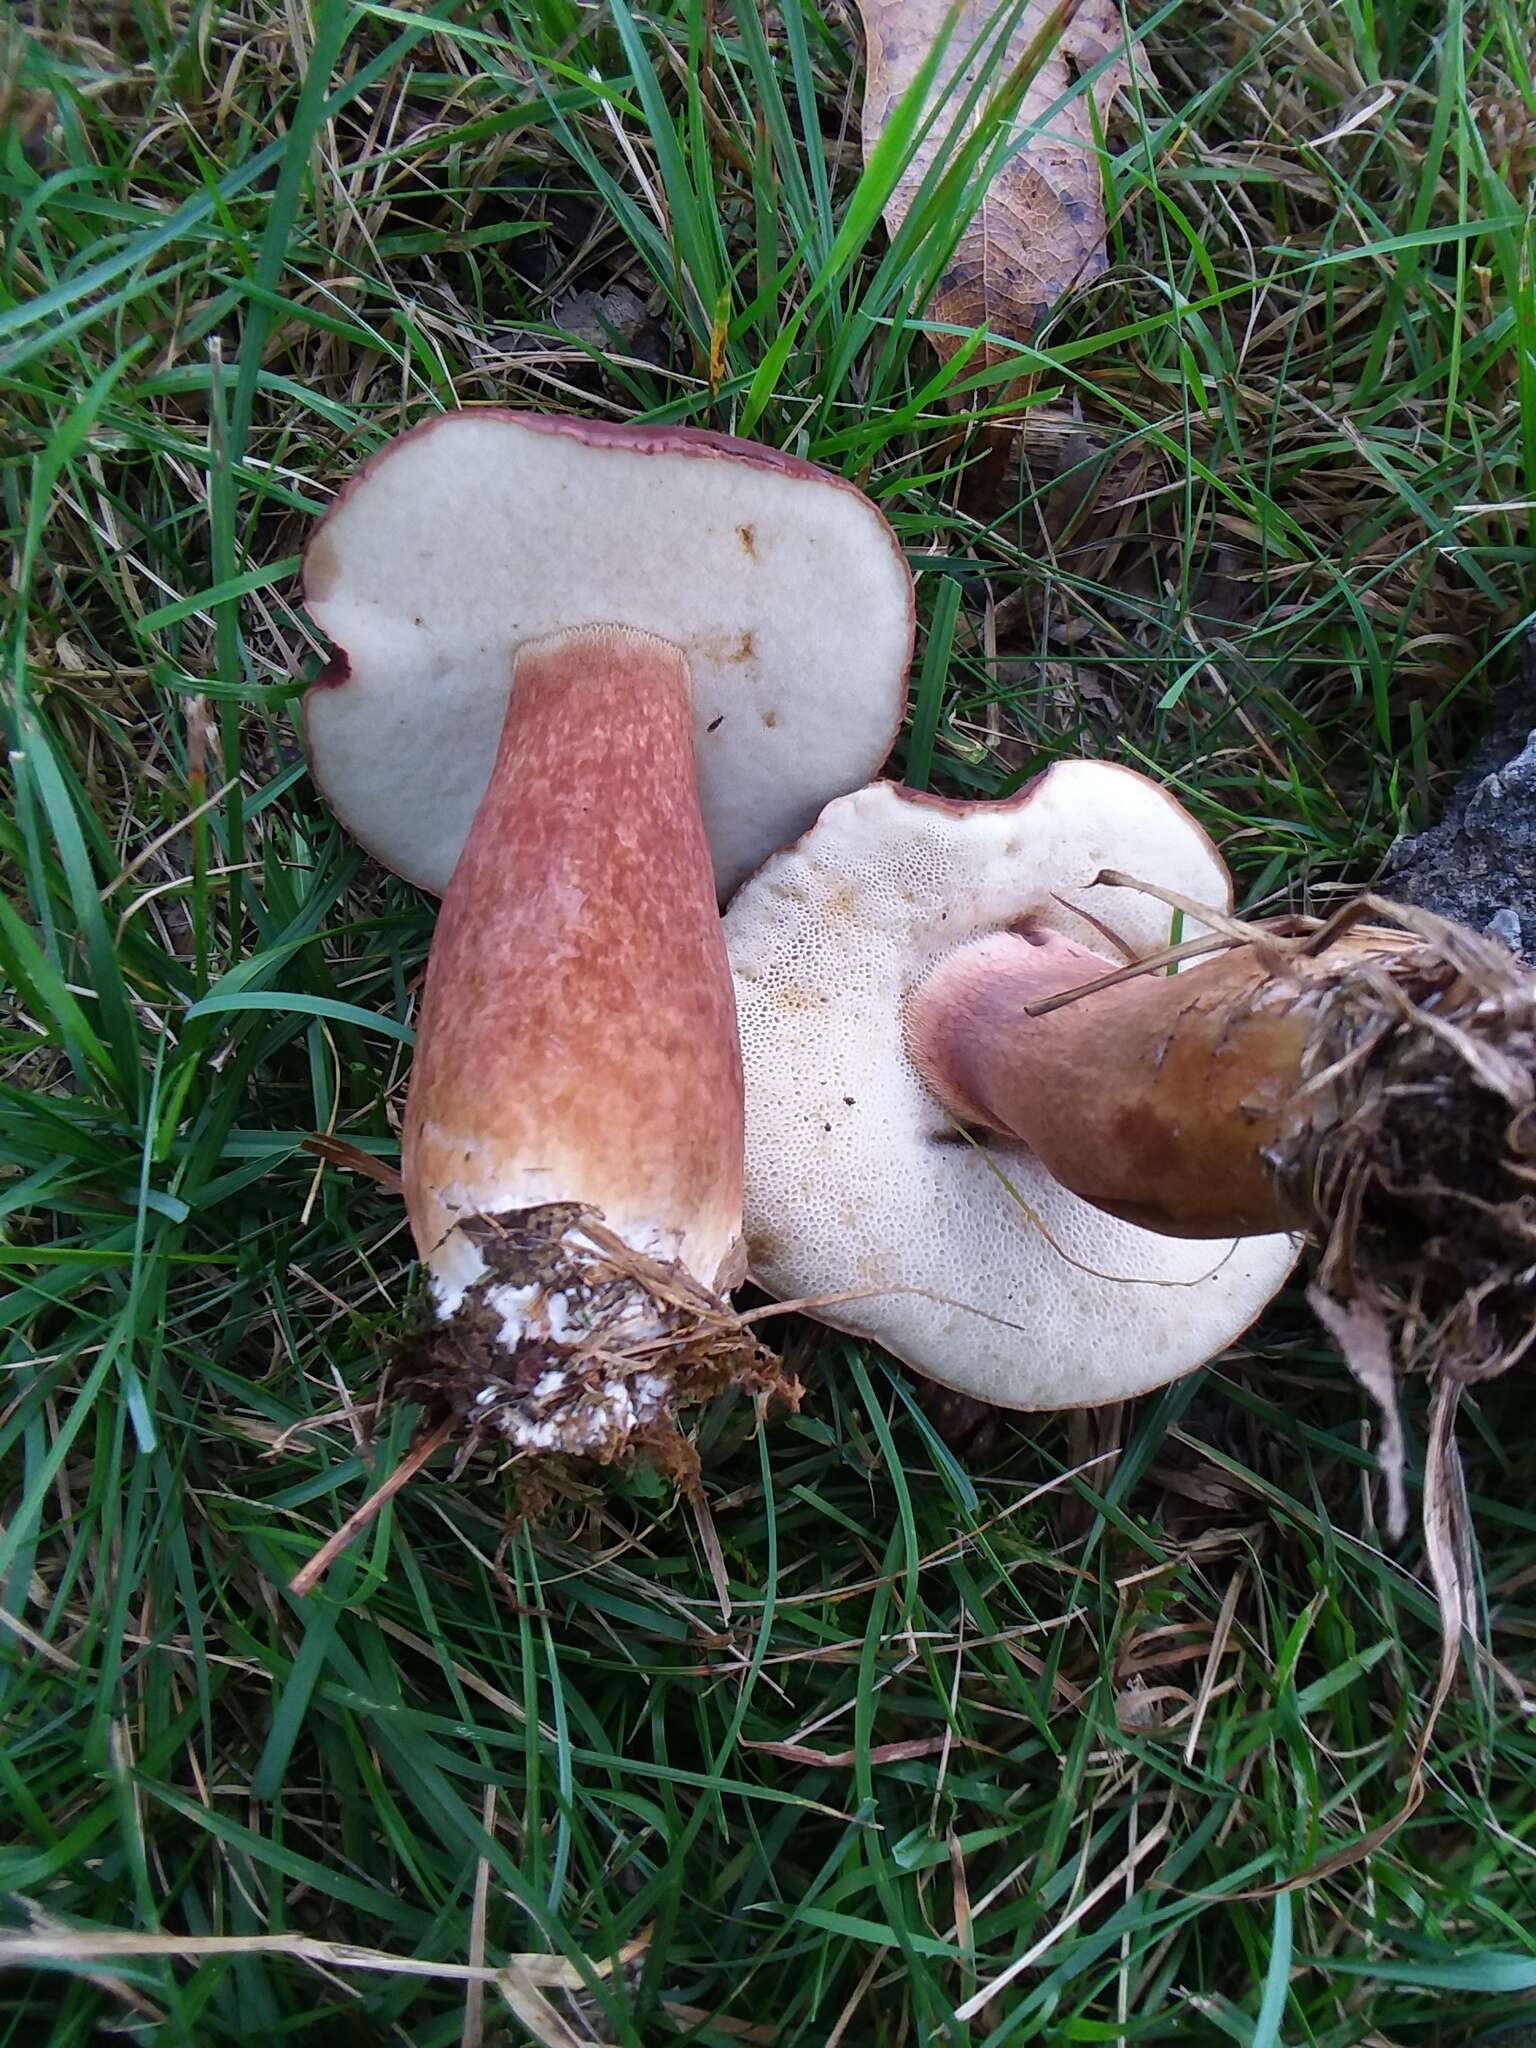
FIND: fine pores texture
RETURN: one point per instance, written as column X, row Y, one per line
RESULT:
column 467, row 537
column 577, row 1040
column 971, row 1262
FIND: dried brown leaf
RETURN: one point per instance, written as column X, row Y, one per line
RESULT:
column 1039, row 229
column 1363, row 1334
column 337, row 1152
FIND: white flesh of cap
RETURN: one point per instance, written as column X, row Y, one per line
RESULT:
column 787, row 593
column 857, row 1181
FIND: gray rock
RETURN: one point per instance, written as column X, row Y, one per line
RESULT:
column 1478, row 864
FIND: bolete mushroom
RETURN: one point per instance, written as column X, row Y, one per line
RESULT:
column 961, row 1252
column 1058, row 1178
column 571, row 659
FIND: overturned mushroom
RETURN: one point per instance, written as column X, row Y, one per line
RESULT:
column 958, row 1251
column 953, row 969
column 617, row 603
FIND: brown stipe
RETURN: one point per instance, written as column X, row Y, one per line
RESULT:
column 891, row 1202
column 1369, row 1080
column 1371, row 1083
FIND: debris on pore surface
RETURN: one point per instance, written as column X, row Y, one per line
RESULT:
column 1478, row 863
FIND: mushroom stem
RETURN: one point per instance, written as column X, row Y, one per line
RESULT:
column 1158, row 1099
column 573, row 1133
column 1373, row 1088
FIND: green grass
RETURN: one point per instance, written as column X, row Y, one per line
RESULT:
column 1269, row 537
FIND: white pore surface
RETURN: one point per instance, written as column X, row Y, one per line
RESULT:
column 857, row 1180
column 787, row 594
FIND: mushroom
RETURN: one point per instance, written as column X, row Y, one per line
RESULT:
column 1053, row 1177
column 959, row 1251
column 571, row 660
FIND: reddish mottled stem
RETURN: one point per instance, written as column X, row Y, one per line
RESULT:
column 578, row 1035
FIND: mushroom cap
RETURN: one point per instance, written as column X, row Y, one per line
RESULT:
column 479, row 531
column 970, row 1262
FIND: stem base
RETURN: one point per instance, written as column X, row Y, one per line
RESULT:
column 573, row 1344
column 1412, row 1145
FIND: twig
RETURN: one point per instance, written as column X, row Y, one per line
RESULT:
column 309, row 1576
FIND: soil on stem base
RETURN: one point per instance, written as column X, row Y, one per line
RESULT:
column 572, row 1343
column 1415, row 1158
